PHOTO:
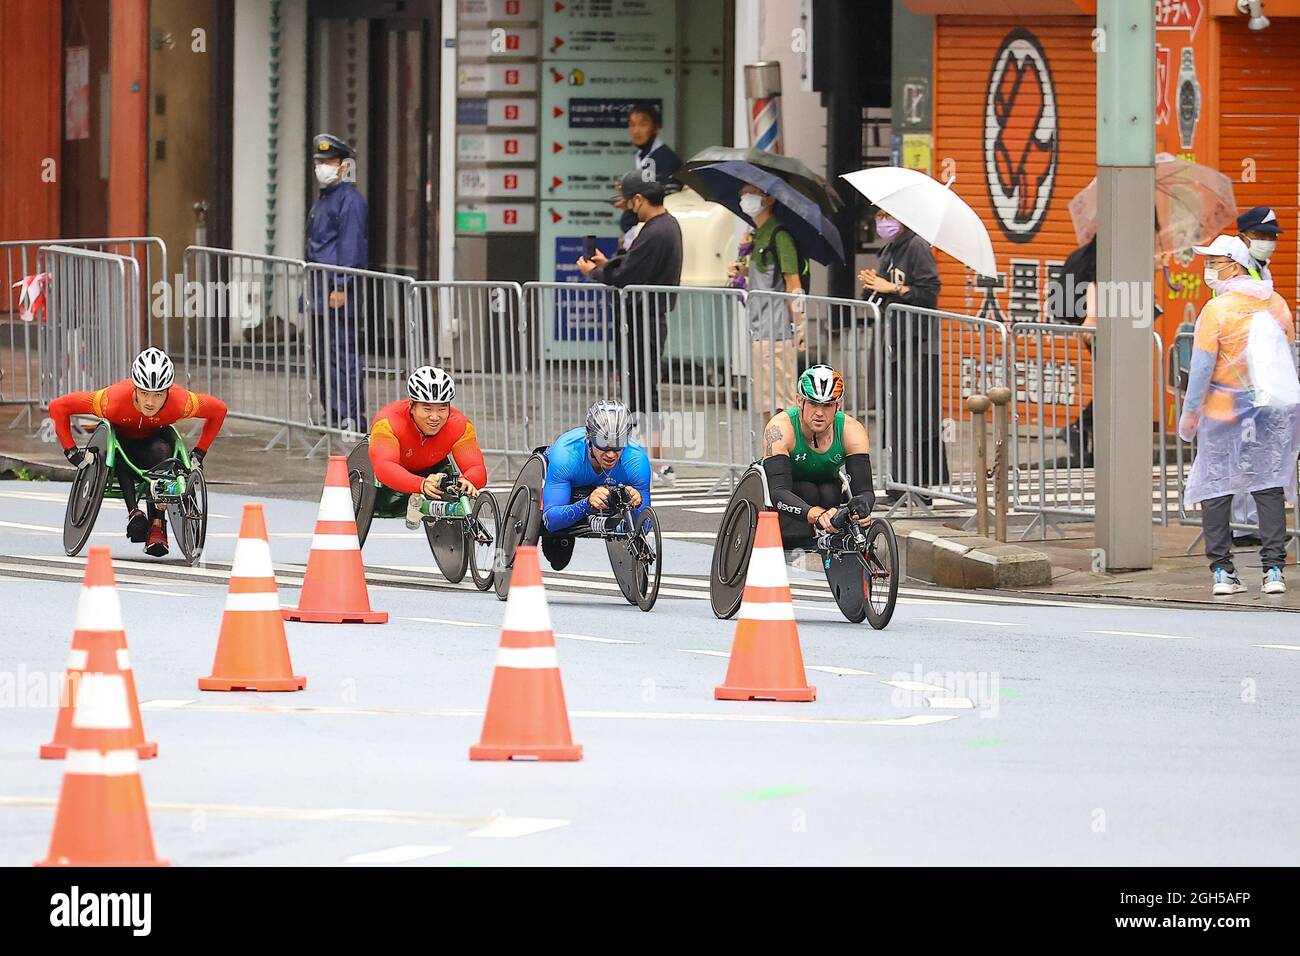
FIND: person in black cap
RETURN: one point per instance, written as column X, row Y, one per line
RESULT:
column 1258, row 229
column 337, row 234
column 654, row 258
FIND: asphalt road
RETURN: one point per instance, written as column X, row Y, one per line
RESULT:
column 975, row 730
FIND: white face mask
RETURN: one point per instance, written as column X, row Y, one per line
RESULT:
column 326, row 173
column 1262, row 249
column 1212, row 277
column 751, row 204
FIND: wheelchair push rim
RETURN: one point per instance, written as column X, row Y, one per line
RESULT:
column 86, row 495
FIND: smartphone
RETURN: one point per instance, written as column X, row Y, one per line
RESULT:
column 589, row 246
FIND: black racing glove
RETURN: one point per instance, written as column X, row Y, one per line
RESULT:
column 74, row 455
column 197, row 456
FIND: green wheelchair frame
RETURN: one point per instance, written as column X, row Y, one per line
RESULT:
column 464, row 540
column 174, row 482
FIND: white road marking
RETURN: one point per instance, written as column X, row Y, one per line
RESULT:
column 690, row 535
column 725, row 717
column 950, row 703
column 165, row 703
column 1278, row 647
column 707, row 511
column 594, row 640
column 1163, row 637
column 840, row 671
column 693, row 650
column 916, row 686
column 967, row 620
column 157, row 591
column 520, row 826
column 398, row 854
column 443, row 620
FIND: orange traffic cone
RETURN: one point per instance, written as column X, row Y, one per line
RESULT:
column 334, row 588
column 98, row 613
column 526, row 717
column 102, row 819
column 252, row 651
column 766, row 661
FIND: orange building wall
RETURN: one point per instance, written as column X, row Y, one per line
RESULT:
column 31, row 113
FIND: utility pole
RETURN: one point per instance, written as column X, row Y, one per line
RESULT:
column 1125, row 46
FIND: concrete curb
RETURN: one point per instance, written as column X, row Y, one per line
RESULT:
column 958, row 559
column 10, row 466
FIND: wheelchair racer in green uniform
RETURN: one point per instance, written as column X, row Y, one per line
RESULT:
column 804, row 450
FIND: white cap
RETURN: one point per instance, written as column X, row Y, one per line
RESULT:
column 1229, row 246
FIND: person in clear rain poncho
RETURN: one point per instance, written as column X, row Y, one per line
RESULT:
column 1243, row 409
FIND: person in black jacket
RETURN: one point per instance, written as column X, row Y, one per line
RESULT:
column 654, row 258
column 908, row 275
column 655, row 159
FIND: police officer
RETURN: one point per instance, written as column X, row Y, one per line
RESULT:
column 337, row 235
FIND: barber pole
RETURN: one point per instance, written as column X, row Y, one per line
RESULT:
column 763, row 90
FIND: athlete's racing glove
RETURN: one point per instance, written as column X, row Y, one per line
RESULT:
column 197, row 456
column 74, row 455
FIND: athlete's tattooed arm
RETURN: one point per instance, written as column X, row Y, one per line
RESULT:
column 770, row 439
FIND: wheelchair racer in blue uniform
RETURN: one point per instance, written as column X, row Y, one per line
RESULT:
column 587, row 470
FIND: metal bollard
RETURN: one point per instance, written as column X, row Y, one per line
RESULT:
column 979, row 407
column 1000, row 397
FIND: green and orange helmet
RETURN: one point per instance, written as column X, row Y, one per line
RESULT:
column 821, row 384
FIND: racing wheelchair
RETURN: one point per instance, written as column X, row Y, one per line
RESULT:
column 462, row 536
column 174, row 482
column 861, row 563
column 634, row 553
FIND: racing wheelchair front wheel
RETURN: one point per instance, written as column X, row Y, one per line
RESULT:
column 87, row 492
column 189, row 517
column 361, row 478
column 482, row 533
column 734, row 544
column 636, row 561
column 880, row 572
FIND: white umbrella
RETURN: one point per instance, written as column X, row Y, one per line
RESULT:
column 931, row 210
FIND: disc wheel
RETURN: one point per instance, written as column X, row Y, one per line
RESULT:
column 447, row 541
column 522, row 523
column 189, row 517
column 482, row 554
column 361, row 478
column 881, row 572
column 87, row 492
column 733, row 545
column 846, row 578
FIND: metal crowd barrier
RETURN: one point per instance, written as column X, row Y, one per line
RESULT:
column 21, row 341
column 245, row 336
column 1052, row 367
column 91, row 333
column 931, row 362
column 477, row 332
column 574, row 350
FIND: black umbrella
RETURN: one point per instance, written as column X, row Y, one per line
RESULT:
column 814, row 234
column 794, row 172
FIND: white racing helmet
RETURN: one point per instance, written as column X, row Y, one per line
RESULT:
column 428, row 383
column 153, row 371
column 609, row 425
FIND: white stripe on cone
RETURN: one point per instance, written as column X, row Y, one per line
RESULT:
column 336, row 505
column 767, row 568
column 256, row 601
column 101, row 702
column 776, row 611
column 252, row 559
column 526, row 610
column 77, row 659
column 115, row 763
column 528, row 658
column 123, row 659
column 99, row 609
column 335, row 542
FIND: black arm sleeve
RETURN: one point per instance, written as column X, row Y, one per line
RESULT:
column 858, row 468
column 780, row 484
